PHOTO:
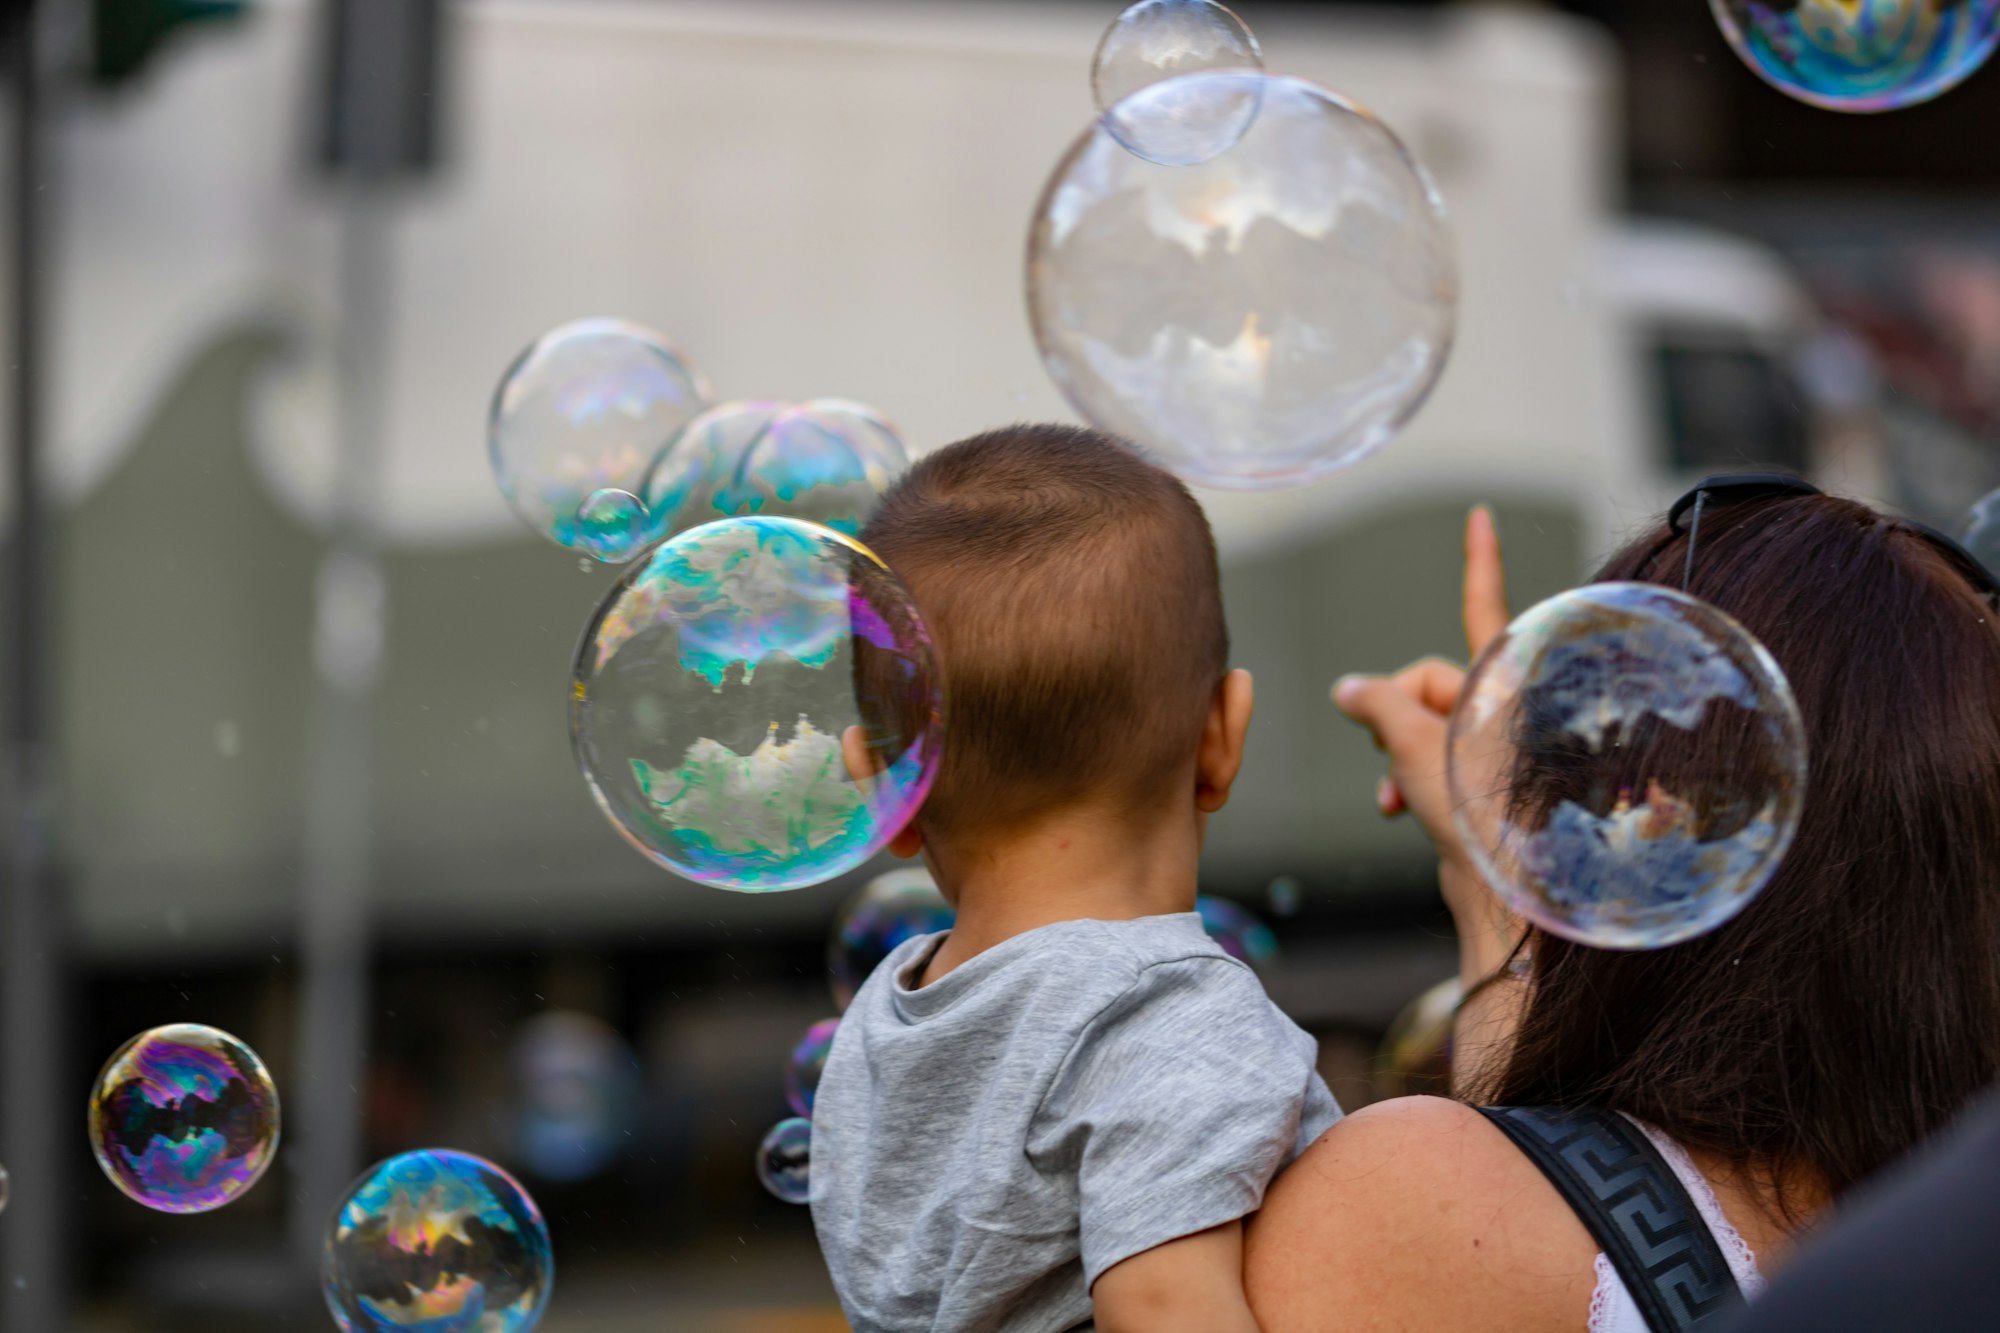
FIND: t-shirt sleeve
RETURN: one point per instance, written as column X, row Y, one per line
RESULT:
column 1175, row 1107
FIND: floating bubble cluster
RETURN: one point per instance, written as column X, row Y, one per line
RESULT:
column 1261, row 319
column 435, row 1240
column 184, row 1118
column 1861, row 55
column 892, row 908
column 807, row 1063
column 1157, row 40
column 1627, row 766
column 826, row 461
column 577, row 1095
column 1241, row 935
column 784, row 1160
column 1980, row 533
column 756, row 706
column 576, row 425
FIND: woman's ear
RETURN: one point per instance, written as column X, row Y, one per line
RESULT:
column 1220, row 758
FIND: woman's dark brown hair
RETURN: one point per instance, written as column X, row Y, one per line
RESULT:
column 1852, row 1008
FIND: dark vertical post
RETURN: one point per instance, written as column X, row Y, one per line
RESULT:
column 36, row 1105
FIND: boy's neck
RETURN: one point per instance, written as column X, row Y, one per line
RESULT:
column 1082, row 865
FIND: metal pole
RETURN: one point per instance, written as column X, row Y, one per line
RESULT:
column 36, row 1104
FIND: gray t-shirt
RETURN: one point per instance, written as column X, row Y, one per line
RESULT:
column 984, row 1147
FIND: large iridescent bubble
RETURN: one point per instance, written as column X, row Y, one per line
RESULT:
column 1627, row 766
column 756, row 706
column 184, row 1118
column 890, row 909
column 1861, row 55
column 436, row 1241
column 784, row 1160
column 807, row 1063
column 1156, row 40
column 826, row 461
column 1260, row 319
column 576, row 424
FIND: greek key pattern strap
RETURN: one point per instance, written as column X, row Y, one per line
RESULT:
column 1634, row 1205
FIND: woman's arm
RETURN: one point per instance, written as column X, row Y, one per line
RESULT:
column 1193, row 1284
column 1416, row 1214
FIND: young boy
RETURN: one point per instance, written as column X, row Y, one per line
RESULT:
column 1073, row 1096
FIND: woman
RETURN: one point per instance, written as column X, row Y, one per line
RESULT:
column 1845, row 1015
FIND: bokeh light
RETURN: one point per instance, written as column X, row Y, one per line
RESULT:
column 891, row 908
column 576, row 1095
column 1258, row 320
column 1861, row 55
column 587, row 408
column 731, row 686
column 784, row 1160
column 437, row 1240
column 184, row 1118
column 1627, row 766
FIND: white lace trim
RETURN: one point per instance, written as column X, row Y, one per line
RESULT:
column 1611, row 1306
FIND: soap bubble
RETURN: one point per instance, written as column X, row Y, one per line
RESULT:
column 727, row 685
column 611, row 524
column 585, row 410
column 437, row 1240
column 1980, row 534
column 1627, row 766
column 892, row 908
column 1241, row 935
column 577, row 1089
column 1415, row 1055
column 807, row 1063
column 1157, row 40
column 825, row 461
column 1861, row 55
column 6, row 1188
column 784, row 1160
column 1261, row 319
column 1283, row 896
column 184, row 1118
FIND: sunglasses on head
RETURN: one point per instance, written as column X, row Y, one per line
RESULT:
column 1717, row 492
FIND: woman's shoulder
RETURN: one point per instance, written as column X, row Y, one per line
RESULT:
column 1417, row 1212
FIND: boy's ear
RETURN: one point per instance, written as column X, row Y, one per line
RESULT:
column 1220, row 758
column 863, row 765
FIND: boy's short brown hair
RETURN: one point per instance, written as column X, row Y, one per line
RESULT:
column 1072, row 590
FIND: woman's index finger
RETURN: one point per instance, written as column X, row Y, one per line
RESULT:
column 1485, row 581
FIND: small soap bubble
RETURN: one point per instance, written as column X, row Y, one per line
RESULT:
column 1241, row 935
column 732, row 686
column 890, row 909
column 1283, row 896
column 436, row 1239
column 6, row 1188
column 577, row 1095
column 1158, row 40
column 1980, row 533
column 1861, row 55
column 784, row 1160
column 1415, row 1055
column 1627, row 766
column 184, row 1118
column 1259, row 320
column 586, row 408
column 807, row 1063
column 826, row 461
column 611, row 525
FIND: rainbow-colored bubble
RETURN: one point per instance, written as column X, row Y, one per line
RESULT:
column 756, row 704
column 807, row 1063
column 436, row 1241
column 1861, row 55
column 892, row 908
column 1234, row 927
column 784, row 1160
column 184, row 1118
